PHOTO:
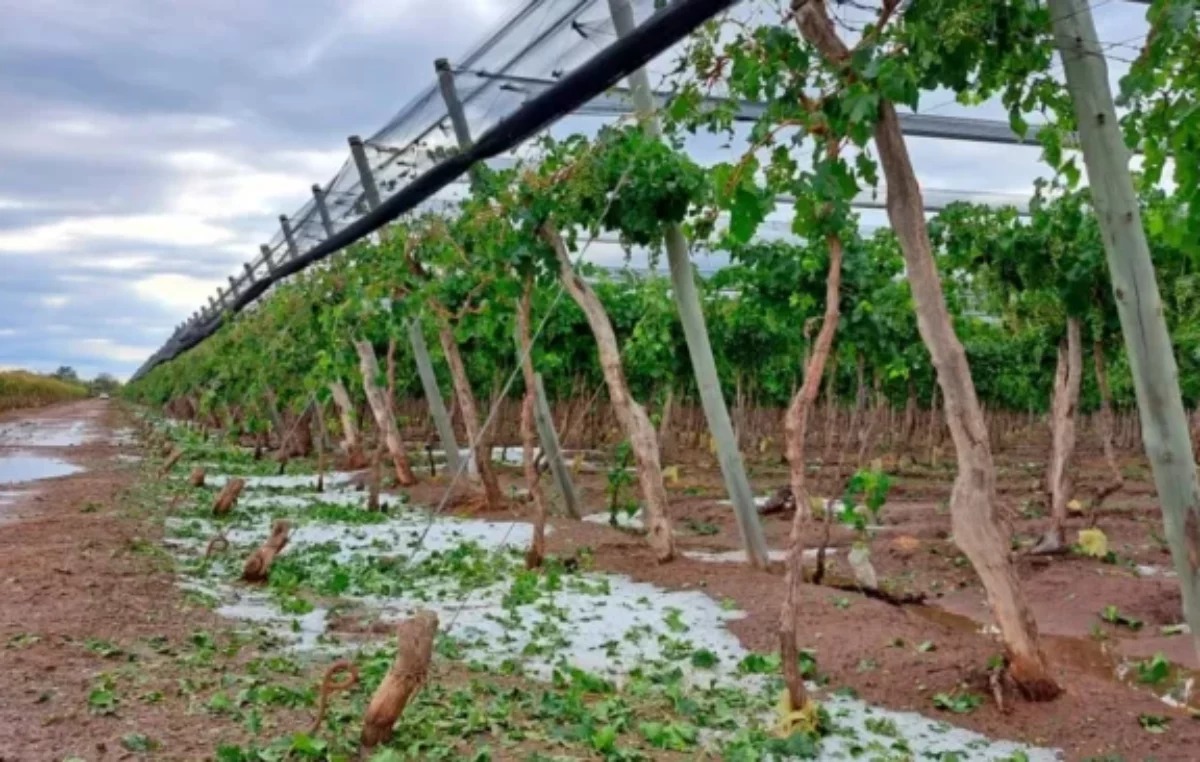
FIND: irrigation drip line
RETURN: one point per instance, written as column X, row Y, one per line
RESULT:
column 621, row 58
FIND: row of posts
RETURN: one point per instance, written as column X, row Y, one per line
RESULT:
column 683, row 283
column 544, row 421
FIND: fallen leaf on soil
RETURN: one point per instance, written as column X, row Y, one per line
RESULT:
column 1093, row 542
column 807, row 719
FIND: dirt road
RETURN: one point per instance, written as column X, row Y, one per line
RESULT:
column 91, row 622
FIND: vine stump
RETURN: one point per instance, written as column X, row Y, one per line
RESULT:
column 414, row 650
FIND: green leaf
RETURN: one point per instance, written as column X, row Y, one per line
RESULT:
column 1153, row 723
column 704, row 659
column 745, row 215
column 862, row 106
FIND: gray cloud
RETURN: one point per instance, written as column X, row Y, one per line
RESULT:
column 146, row 148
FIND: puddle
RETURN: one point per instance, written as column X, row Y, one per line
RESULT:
column 27, row 467
column 40, row 434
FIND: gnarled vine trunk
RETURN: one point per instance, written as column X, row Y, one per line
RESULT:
column 470, row 416
column 972, row 504
column 385, row 419
column 351, row 440
column 795, row 428
column 643, row 440
column 537, row 546
column 1063, row 408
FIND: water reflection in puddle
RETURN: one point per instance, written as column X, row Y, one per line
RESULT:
column 27, row 467
column 43, row 434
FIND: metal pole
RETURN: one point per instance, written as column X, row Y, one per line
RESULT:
column 322, row 209
column 1139, row 306
column 249, row 272
column 550, row 446
column 288, row 236
column 546, row 435
column 687, row 299
column 266, row 252
column 233, row 287
column 433, row 396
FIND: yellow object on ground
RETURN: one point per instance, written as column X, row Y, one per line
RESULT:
column 1093, row 542
column 807, row 719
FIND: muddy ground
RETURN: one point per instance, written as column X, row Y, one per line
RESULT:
column 88, row 600
column 903, row 656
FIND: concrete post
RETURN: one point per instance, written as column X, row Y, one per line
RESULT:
column 433, row 396
column 322, row 209
column 365, row 176
column 458, row 119
column 1148, row 345
column 266, row 252
column 288, row 236
column 552, row 449
column 687, row 299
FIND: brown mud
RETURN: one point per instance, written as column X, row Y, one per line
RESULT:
column 901, row 656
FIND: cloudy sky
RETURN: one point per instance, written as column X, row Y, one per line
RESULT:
column 148, row 146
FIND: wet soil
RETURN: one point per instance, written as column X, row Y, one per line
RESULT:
column 88, row 600
column 81, row 570
column 901, row 657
